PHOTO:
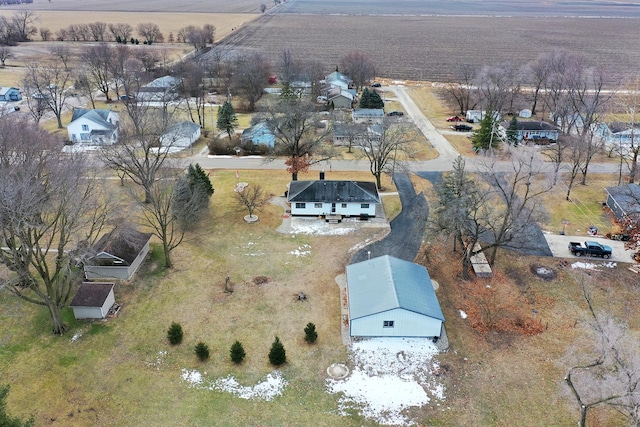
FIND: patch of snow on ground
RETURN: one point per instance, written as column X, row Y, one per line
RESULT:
column 389, row 375
column 303, row 250
column 75, row 336
column 319, row 228
column 272, row 386
column 592, row 266
column 359, row 246
column 463, row 314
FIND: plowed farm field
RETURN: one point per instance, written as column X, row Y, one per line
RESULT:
column 432, row 47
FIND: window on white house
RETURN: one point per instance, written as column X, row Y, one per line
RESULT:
column 364, row 205
column 387, row 323
column 344, row 205
column 300, row 205
column 85, row 127
column 317, row 205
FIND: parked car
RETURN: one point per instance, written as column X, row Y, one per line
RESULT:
column 376, row 84
column 321, row 99
column 395, row 113
column 462, row 128
column 454, row 119
column 590, row 249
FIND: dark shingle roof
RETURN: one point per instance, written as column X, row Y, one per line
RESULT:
column 529, row 125
column 627, row 197
column 333, row 191
column 124, row 244
column 91, row 294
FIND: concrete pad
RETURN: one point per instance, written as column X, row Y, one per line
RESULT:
column 559, row 246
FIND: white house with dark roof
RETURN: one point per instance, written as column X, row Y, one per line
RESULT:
column 93, row 300
column 390, row 297
column 94, row 127
column 326, row 197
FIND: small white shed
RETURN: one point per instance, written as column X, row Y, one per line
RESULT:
column 93, row 300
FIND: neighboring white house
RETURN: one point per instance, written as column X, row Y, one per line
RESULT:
column 325, row 197
column 117, row 255
column 337, row 79
column 367, row 115
column 620, row 133
column 342, row 98
column 390, row 297
column 181, row 135
column 95, row 127
column 162, row 89
column 93, row 300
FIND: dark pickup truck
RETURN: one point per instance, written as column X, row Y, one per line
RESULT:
column 590, row 249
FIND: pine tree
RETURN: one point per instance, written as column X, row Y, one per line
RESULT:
column 512, row 132
column 198, row 178
column 191, row 195
column 365, row 98
column 310, row 334
column 227, row 120
column 486, row 136
column 277, row 354
column 202, row 351
column 237, row 352
column 175, row 334
column 287, row 94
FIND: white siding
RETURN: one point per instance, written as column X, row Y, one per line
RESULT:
column 87, row 313
column 405, row 324
column 352, row 209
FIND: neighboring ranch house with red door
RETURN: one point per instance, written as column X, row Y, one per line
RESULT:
column 325, row 197
column 391, row 297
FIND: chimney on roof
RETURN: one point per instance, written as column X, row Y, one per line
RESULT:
column 322, row 175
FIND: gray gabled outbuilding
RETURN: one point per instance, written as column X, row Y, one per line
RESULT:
column 390, row 297
column 93, row 300
column 117, row 255
column 624, row 201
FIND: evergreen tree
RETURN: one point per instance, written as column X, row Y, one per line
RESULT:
column 371, row 99
column 287, row 94
column 175, row 334
column 365, row 98
column 237, row 352
column 486, row 137
column 310, row 334
column 277, row 354
column 227, row 120
column 512, row 132
column 191, row 194
column 7, row 420
column 202, row 351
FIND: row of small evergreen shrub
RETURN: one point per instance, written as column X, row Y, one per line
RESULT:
column 277, row 354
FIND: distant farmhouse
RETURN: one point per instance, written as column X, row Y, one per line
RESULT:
column 162, row 89
column 10, row 94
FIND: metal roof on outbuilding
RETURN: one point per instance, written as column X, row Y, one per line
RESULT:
column 333, row 191
column 386, row 283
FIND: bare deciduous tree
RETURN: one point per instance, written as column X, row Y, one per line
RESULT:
column 96, row 60
column 150, row 32
column 629, row 100
column 191, row 75
column 607, row 370
column 47, row 206
column 462, row 92
column 46, row 84
column 23, row 21
column 121, row 31
column 5, row 54
column 252, row 198
column 300, row 136
column 250, row 76
column 498, row 86
column 98, row 31
column 381, row 144
column 359, row 67
column 289, row 67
